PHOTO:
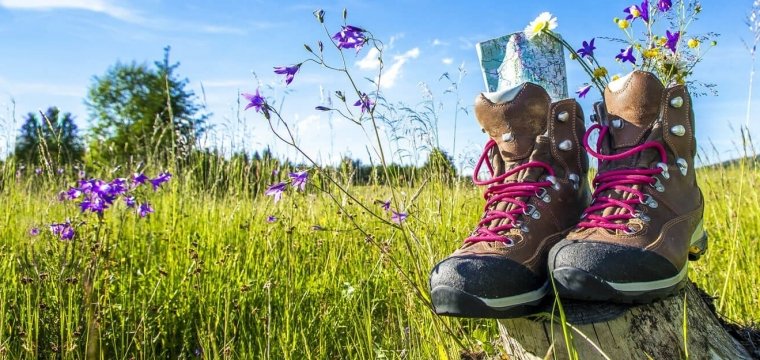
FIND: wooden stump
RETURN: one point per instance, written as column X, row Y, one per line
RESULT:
column 601, row 330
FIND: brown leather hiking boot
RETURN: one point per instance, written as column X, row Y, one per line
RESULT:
column 536, row 193
column 645, row 220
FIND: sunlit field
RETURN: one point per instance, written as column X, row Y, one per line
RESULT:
column 206, row 275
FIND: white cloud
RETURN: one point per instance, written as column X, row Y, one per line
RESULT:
column 447, row 61
column 390, row 76
column 439, row 42
column 370, row 61
column 99, row 6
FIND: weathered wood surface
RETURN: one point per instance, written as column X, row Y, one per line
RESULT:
column 653, row 331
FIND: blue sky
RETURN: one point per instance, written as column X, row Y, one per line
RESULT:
column 50, row 50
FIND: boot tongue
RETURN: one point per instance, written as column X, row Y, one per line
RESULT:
column 633, row 105
column 513, row 118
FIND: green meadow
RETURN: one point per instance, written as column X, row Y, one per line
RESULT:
column 207, row 276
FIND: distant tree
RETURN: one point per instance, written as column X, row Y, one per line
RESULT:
column 143, row 112
column 440, row 164
column 53, row 137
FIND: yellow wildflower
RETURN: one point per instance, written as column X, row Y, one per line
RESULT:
column 693, row 43
column 651, row 53
column 623, row 24
column 600, row 72
column 615, row 77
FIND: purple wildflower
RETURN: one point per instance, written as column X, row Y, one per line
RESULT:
column 365, row 102
column 288, row 71
column 34, row 231
column 275, row 190
column 62, row 196
column 255, row 101
column 672, row 40
column 398, row 217
column 118, row 186
column 275, row 172
column 386, row 205
column 588, row 49
column 94, row 203
column 626, row 55
column 635, row 12
column 64, row 231
column 144, row 209
column 73, row 193
column 298, row 179
column 38, row 171
column 59, row 171
column 160, row 179
column 271, row 219
column 139, row 178
column 583, row 90
column 664, row 5
column 129, row 201
column 350, row 37
column 81, row 174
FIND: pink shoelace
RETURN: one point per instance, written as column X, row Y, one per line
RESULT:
column 498, row 191
column 621, row 180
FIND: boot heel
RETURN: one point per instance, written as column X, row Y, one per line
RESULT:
column 698, row 248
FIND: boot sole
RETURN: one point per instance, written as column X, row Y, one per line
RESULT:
column 574, row 283
column 451, row 301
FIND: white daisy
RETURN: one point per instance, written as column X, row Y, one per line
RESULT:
column 545, row 21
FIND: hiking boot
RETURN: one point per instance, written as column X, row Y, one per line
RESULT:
column 645, row 220
column 536, row 193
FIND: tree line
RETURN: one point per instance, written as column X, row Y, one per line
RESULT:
column 141, row 113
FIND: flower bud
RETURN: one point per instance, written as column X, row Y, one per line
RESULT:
column 320, row 15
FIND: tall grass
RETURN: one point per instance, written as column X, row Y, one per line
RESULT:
column 206, row 275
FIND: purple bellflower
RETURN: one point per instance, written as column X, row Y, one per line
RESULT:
column 672, row 40
column 288, row 71
column 583, row 90
column 626, row 55
column 635, row 12
column 364, row 102
column 664, row 5
column 350, row 37
column 587, row 50
column 64, row 231
column 276, row 190
column 255, row 101
column 144, row 209
column 299, row 179
column 398, row 217
column 160, row 179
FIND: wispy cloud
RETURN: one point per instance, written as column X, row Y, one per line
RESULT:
column 370, row 61
column 217, row 29
column 394, row 71
column 447, row 61
column 439, row 42
column 98, row 6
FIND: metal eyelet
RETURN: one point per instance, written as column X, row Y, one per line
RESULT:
column 543, row 194
column 658, row 185
column 507, row 137
column 509, row 242
column 664, row 167
column 563, row 116
column 683, row 166
column 575, row 179
column 642, row 216
column 617, row 123
column 629, row 230
column 553, row 180
column 532, row 211
column 648, row 200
